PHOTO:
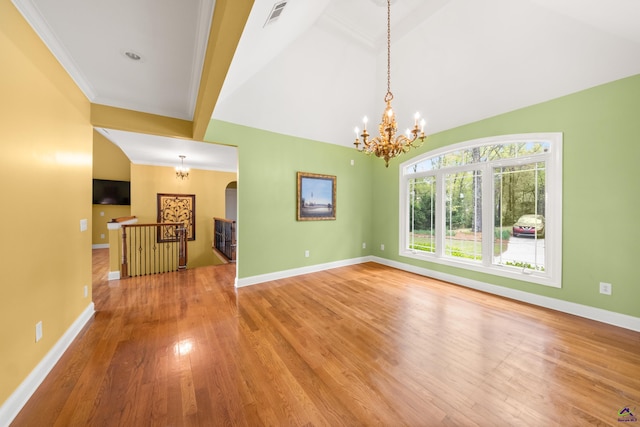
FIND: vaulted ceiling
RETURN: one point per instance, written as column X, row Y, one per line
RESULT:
column 318, row 68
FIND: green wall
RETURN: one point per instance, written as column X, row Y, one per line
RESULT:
column 270, row 239
column 600, row 206
column 601, row 242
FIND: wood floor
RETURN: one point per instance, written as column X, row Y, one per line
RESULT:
column 360, row 345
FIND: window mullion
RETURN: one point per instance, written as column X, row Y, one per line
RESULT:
column 411, row 205
column 487, row 214
column 441, row 216
column 406, row 189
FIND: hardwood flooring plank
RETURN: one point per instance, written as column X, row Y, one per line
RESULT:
column 358, row 345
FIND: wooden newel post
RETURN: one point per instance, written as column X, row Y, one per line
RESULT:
column 124, row 270
column 181, row 231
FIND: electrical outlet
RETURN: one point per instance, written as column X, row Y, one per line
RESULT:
column 102, row 235
column 84, row 225
column 364, row 245
column 382, row 247
column 39, row 331
column 306, row 254
column 605, row 288
column 86, row 291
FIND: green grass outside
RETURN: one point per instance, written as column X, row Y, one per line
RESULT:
column 469, row 249
column 459, row 248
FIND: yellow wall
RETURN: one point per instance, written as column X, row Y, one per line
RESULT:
column 209, row 188
column 101, row 215
column 109, row 162
column 45, row 171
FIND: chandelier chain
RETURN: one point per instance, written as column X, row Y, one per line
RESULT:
column 389, row 51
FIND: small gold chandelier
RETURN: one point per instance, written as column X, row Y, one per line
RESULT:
column 181, row 171
column 388, row 145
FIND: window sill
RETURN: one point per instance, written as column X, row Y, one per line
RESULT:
column 521, row 274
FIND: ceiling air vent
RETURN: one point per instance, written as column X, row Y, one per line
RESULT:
column 275, row 13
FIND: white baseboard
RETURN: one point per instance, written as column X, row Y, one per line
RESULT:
column 21, row 395
column 593, row 313
column 113, row 275
column 100, row 246
column 254, row 280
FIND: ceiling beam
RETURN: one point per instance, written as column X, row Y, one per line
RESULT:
column 104, row 116
column 229, row 19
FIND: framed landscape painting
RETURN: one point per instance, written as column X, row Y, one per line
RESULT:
column 316, row 197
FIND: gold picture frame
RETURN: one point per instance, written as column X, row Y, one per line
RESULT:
column 316, row 199
column 175, row 208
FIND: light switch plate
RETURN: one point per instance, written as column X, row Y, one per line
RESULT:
column 39, row 331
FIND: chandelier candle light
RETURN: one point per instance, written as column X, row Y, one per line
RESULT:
column 387, row 145
column 181, row 171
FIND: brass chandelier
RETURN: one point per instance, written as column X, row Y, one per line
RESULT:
column 181, row 171
column 387, row 145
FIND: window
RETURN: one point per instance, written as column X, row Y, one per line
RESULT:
column 492, row 205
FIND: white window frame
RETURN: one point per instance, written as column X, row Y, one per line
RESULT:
column 552, row 274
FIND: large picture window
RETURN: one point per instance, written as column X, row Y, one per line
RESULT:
column 492, row 205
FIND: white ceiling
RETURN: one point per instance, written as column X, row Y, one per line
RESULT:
column 320, row 67
column 163, row 151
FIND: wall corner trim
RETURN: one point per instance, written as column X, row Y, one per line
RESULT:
column 10, row 409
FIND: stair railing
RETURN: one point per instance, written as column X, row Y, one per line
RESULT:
column 224, row 240
column 153, row 248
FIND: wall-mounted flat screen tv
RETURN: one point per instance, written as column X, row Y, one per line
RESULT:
column 107, row 192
